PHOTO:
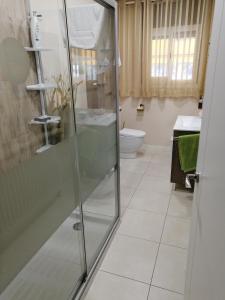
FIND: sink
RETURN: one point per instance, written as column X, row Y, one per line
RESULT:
column 188, row 123
column 191, row 122
column 95, row 117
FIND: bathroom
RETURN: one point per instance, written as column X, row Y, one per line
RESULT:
column 105, row 113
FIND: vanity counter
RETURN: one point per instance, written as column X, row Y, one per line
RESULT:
column 188, row 123
column 184, row 125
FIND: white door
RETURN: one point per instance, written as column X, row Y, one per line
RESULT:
column 206, row 262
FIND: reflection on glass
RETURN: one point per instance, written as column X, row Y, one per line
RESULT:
column 40, row 246
column 92, row 51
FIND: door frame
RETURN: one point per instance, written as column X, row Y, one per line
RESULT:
column 209, row 101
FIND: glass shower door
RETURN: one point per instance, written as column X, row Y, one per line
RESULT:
column 91, row 27
column 41, row 241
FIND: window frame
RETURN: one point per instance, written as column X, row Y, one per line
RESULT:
column 188, row 32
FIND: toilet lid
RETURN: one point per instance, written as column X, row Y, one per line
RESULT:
column 132, row 132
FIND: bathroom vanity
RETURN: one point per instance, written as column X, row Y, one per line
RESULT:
column 184, row 125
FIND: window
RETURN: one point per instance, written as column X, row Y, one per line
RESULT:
column 160, row 57
column 164, row 47
column 182, row 58
column 173, row 58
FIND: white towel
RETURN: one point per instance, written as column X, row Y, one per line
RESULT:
column 85, row 23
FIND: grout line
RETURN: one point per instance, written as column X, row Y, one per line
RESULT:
column 122, row 276
column 159, row 287
column 148, row 211
column 165, row 215
column 179, row 218
column 174, row 246
column 138, row 238
column 161, row 178
column 131, row 197
column 135, row 189
column 159, row 243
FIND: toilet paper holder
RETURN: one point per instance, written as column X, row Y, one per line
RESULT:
column 140, row 107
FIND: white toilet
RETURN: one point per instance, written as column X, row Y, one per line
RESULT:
column 130, row 141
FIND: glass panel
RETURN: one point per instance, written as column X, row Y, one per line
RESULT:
column 40, row 240
column 92, row 50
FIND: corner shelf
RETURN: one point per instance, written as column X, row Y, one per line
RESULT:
column 41, row 86
column 53, row 120
column 43, row 148
column 43, row 119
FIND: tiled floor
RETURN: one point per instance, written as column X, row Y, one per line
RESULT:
column 147, row 257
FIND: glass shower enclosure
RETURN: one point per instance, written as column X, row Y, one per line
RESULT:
column 59, row 166
column 91, row 30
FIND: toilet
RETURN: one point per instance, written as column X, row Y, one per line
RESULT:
column 131, row 141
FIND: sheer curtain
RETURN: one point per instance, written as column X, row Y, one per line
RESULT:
column 164, row 47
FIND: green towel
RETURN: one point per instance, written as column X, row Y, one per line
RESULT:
column 188, row 151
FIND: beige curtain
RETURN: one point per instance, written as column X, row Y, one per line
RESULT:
column 164, row 47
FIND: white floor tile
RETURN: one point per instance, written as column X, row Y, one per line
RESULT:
column 126, row 194
column 176, row 232
column 142, row 224
column 159, row 150
column 180, row 204
column 162, row 157
column 131, row 257
column 161, row 169
column 170, row 268
column 104, row 205
column 111, row 287
column 122, row 211
column 134, row 165
column 145, row 196
column 152, row 184
column 154, row 201
column 144, row 154
column 160, row 294
column 130, row 179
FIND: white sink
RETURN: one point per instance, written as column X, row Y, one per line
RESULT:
column 188, row 123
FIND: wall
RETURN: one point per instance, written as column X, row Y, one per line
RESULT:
column 53, row 36
column 158, row 118
column 18, row 140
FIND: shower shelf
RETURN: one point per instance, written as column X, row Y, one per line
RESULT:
column 43, row 119
column 52, row 120
column 41, row 86
column 43, row 148
column 32, row 49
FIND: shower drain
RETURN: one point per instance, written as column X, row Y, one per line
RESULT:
column 77, row 226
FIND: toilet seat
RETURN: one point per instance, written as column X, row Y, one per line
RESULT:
column 132, row 132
